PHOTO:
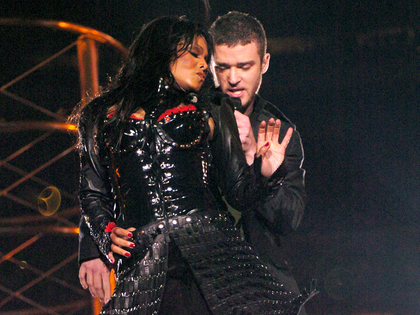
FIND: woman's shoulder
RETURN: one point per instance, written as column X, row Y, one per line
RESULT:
column 92, row 110
column 137, row 115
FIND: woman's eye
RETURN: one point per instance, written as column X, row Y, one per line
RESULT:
column 195, row 55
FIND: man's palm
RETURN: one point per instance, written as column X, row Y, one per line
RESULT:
column 269, row 147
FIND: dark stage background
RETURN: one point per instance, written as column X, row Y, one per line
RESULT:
column 345, row 72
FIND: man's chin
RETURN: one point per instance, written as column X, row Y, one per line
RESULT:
column 245, row 104
column 248, row 106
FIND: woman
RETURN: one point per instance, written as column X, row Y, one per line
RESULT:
column 147, row 146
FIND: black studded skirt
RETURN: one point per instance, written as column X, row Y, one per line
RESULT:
column 229, row 275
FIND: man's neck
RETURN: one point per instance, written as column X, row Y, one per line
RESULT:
column 250, row 107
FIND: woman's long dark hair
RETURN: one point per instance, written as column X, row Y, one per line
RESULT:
column 150, row 56
column 149, row 60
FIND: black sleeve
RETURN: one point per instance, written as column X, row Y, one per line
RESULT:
column 241, row 184
column 282, row 212
column 95, row 193
column 88, row 250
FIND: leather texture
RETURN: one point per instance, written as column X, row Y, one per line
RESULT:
column 157, row 180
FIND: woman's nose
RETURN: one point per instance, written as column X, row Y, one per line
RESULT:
column 203, row 64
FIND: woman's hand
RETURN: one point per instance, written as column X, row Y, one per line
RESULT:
column 269, row 147
column 121, row 238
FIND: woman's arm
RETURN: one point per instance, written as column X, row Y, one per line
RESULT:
column 95, row 193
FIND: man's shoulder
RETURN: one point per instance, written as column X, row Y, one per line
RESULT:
column 267, row 110
column 217, row 98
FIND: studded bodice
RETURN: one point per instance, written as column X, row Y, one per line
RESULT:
column 161, row 167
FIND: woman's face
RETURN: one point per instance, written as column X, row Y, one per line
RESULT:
column 189, row 69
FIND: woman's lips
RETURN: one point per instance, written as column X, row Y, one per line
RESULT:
column 202, row 76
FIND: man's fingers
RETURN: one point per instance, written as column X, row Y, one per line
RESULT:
column 102, row 285
column 98, row 286
column 273, row 129
column 90, row 283
column 94, row 274
column 82, row 277
column 107, row 289
column 270, row 129
column 287, row 137
column 106, row 283
column 276, row 131
column 261, row 133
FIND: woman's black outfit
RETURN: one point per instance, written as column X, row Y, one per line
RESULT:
column 157, row 180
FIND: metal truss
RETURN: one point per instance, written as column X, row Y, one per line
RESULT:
column 49, row 67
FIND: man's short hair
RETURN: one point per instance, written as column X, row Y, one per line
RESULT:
column 237, row 28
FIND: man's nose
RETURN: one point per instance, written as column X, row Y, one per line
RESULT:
column 233, row 76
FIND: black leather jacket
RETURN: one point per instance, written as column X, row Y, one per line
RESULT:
column 281, row 214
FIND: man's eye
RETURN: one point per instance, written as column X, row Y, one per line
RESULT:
column 220, row 68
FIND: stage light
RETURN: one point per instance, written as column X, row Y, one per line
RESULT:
column 49, row 201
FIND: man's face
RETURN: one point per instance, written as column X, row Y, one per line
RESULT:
column 239, row 71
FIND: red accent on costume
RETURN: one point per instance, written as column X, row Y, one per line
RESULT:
column 110, row 114
column 175, row 110
column 110, row 227
column 132, row 116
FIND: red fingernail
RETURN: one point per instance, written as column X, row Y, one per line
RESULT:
column 132, row 245
column 267, row 144
column 130, row 234
column 127, row 254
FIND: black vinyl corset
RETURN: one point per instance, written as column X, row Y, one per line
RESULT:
column 161, row 167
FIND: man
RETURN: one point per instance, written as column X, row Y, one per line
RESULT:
column 240, row 59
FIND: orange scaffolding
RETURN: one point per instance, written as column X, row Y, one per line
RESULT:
column 35, row 155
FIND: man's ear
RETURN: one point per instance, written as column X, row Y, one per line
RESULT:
column 265, row 63
column 212, row 66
